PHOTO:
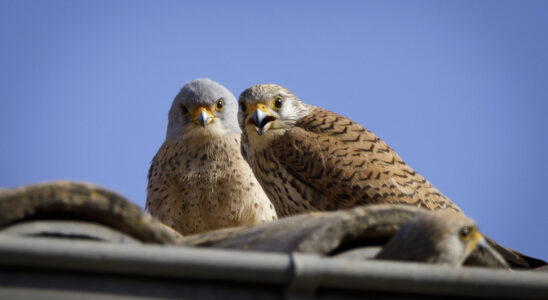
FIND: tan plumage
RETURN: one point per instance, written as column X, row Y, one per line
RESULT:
column 307, row 158
column 198, row 180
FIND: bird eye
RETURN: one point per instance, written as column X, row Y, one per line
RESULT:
column 465, row 232
column 220, row 105
column 184, row 110
column 277, row 103
column 243, row 107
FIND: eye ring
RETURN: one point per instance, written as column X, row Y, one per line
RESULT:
column 243, row 107
column 277, row 103
column 184, row 110
column 465, row 231
column 220, row 105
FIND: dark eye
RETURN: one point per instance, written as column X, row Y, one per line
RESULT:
column 243, row 107
column 220, row 104
column 277, row 103
column 184, row 110
column 465, row 231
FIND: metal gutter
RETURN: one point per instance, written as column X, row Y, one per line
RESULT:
column 147, row 260
column 296, row 274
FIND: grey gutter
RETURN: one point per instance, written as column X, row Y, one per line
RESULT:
column 298, row 274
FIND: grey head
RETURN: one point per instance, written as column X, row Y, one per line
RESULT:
column 203, row 106
column 443, row 237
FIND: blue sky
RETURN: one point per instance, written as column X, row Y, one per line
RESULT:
column 458, row 88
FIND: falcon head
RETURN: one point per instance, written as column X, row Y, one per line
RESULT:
column 444, row 237
column 457, row 236
column 203, row 106
column 268, row 110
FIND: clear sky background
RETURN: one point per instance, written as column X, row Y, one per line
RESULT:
column 458, row 88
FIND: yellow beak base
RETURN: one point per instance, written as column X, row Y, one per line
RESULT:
column 202, row 116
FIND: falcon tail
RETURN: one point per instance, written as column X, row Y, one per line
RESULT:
column 515, row 259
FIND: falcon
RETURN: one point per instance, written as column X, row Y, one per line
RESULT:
column 199, row 181
column 441, row 237
column 310, row 159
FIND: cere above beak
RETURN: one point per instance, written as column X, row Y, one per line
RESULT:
column 261, row 119
column 202, row 116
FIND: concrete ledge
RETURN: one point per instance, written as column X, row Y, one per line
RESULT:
column 296, row 275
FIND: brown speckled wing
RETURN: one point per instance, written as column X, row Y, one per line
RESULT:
column 350, row 165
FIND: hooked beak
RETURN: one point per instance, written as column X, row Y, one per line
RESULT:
column 202, row 116
column 258, row 118
column 481, row 243
column 477, row 242
column 261, row 118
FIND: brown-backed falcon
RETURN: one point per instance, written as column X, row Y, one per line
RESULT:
column 307, row 158
column 310, row 159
